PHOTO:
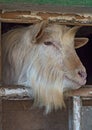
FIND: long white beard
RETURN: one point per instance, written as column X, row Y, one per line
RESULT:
column 46, row 86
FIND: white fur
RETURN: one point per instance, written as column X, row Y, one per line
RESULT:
column 41, row 67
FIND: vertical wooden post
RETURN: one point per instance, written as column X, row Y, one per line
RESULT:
column 0, row 81
column 0, row 58
column 0, row 114
column 70, row 114
column 77, row 104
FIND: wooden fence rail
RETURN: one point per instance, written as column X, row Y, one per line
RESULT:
column 20, row 92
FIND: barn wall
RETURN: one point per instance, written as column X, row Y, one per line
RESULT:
column 20, row 115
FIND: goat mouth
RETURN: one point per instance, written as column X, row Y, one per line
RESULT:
column 76, row 82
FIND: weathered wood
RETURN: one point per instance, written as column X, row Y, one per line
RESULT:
column 0, row 82
column 21, row 115
column 22, row 93
column 33, row 17
column 0, row 57
column 15, row 92
column 45, row 8
column 77, row 111
column 83, row 92
column 36, row 13
column 0, row 114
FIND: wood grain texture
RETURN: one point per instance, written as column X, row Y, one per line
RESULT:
column 44, row 8
column 0, row 81
column 20, row 115
column 1, row 115
column 22, row 93
column 31, row 13
column 0, row 57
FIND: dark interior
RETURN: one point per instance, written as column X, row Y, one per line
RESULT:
column 85, row 52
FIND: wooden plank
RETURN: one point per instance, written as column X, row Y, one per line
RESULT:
column 23, row 93
column 15, row 92
column 45, row 8
column 0, row 57
column 21, row 115
column 0, row 82
column 83, row 92
column 33, row 17
column 0, row 114
column 77, row 111
column 31, row 14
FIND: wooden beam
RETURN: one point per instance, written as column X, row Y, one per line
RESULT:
column 0, row 114
column 22, row 93
column 82, row 92
column 15, row 92
column 45, row 8
column 65, row 15
column 0, row 57
column 0, row 81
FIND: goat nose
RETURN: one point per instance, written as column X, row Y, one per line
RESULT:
column 82, row 74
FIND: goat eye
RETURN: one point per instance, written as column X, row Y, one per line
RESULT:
column 48, row 43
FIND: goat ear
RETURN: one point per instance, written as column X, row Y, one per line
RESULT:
column 79, row 42
column 38, row 30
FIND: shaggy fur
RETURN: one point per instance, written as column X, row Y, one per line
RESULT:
column 48, row 70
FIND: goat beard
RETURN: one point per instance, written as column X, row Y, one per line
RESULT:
column 46, row 84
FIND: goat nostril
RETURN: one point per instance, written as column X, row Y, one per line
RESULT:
column 82, row 74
